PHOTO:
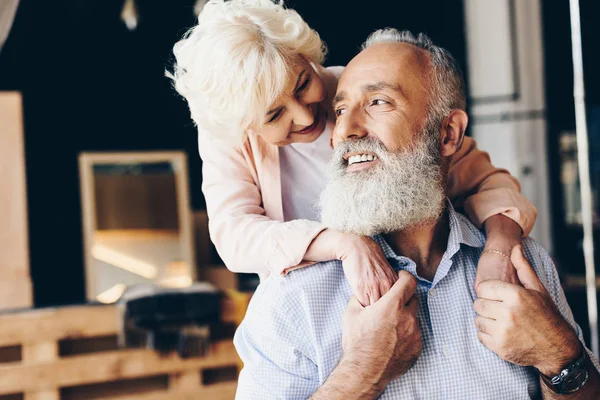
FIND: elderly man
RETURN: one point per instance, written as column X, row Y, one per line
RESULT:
column 401, row 103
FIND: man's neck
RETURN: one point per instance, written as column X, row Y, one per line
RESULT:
column 425, row 244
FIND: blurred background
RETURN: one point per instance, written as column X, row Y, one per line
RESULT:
column 89, row 79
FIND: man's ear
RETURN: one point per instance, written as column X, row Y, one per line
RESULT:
column 453, row 132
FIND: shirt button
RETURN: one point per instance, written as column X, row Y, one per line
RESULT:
column 432, row 292
column 446, row 351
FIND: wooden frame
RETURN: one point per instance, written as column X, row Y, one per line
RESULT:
column 88, row 205
column 37, row 370
column 15, row 281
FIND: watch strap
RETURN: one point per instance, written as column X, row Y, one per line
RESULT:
column 557, row 383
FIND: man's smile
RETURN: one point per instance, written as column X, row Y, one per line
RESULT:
column 358, row 161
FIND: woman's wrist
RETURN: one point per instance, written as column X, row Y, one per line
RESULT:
column 329, row 244
column 502, row 233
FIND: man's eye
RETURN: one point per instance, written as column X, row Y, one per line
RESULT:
column 339, row 112
column 302, row 87
column 378, row 102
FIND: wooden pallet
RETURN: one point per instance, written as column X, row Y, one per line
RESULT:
column 70, row 353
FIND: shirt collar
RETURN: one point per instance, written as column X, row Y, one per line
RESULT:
column 462, row 231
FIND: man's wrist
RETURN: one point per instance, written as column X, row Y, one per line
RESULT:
column 561, row 358
column 371, row 378
column 350, row 379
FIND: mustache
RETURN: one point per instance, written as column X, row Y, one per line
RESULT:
column 366, row 144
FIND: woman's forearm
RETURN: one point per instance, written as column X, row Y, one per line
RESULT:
column 325, row 245
column 502, row 233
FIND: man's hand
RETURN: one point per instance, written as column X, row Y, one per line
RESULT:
column 522, row 324
column 384, row 340
column 502, row 235
column 380, row 342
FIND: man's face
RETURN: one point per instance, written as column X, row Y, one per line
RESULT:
column 383, row 93
column 385, row 174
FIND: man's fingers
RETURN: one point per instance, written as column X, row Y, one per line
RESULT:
column 362, row 299
column 488, row 308
column 484, row 325
column 495, row 290
column 486, row 340
column 403, row 289
column 413, row 305
column 354, row 305
column 525, row 271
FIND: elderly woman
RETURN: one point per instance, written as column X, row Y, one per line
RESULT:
column 251, row 72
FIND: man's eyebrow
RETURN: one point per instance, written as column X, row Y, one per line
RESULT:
column 339, row 97
column 370, row 87
column 300, row 75
column 374, row 87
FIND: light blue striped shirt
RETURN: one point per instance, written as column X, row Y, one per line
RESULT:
column 291, row 338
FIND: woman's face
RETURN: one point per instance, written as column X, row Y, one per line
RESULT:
column 298, row 115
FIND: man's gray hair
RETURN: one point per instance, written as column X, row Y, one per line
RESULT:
column 447, row 83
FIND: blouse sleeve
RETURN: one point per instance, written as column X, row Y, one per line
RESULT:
column 484, row 190
column 245, row 238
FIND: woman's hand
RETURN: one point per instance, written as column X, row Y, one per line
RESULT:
column 366, row 268
column 502, row 235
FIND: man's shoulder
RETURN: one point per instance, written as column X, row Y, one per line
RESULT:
column 283, row 307
column 541, row 261
column 282, row 295
column 314, row 278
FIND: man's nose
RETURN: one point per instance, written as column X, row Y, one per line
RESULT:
column 302, row 115
column 348, row 126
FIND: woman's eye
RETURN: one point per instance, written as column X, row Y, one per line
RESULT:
column 339, row 112
column 275, row 116
column 303, row 86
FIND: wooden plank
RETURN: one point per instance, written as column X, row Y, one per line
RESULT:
column 49, row 324
column 185, row 380
column 218, row 391
column 108, row 366
column 15, row 287
column 51, row 394
column 32, row 326
column 40, row 352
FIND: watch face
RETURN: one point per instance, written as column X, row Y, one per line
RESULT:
column 574, row 380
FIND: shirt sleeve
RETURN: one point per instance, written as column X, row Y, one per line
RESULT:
column 270, row 344
column 484, row 190
column 546, row 271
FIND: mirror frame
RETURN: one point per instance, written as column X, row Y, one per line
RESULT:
column 87, row 160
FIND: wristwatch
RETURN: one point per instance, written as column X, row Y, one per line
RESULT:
column 572, row 378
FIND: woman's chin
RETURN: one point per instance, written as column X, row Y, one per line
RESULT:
column 307, row 137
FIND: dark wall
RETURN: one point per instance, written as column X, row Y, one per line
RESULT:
column 91, row 85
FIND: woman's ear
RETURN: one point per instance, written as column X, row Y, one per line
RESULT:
column 453, row 132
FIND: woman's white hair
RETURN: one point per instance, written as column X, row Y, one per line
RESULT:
column 236, row 61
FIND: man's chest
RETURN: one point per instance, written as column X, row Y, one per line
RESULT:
column 453, row 364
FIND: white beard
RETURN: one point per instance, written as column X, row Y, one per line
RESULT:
column 404, row 190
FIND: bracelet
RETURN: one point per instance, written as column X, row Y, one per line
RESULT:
column 497, row 252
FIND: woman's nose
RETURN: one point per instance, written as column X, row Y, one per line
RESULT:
column 302, row 115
